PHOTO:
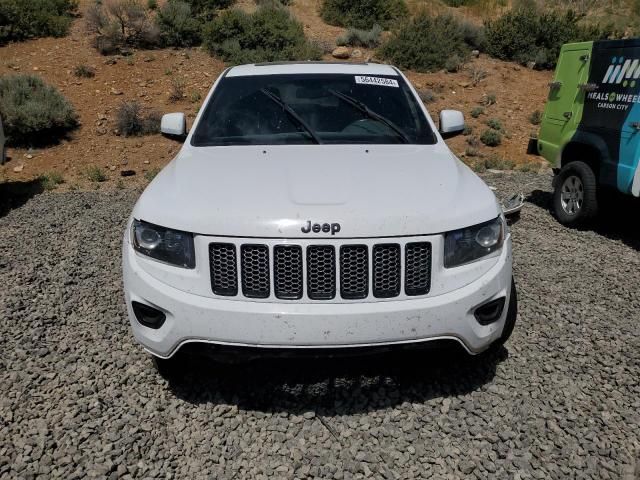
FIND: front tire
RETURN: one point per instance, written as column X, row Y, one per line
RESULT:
column 575, row 200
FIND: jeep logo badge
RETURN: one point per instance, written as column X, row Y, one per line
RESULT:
column 324, row 227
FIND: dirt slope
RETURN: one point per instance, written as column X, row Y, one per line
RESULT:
column 147, row 77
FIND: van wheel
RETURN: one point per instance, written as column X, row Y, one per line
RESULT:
column 575, row 200
column 510, row 321
column 167, row 368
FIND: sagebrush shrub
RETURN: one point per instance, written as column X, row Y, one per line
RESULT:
column 84, row 71
column 426, row 43
column 269, row 34
column 23, row 19
column 96, row 174
column 496, row 162
column 132, row 120
column 208, row 6
column 118, row 24
column 477, row 111
column 427, row 95
column 495, row 124
column 33, row 112
column 526, row 35
column 177, row 24
column 355, row 37
column 51, row 180
column 363, row 14
column 491, row 138
column 474, row 35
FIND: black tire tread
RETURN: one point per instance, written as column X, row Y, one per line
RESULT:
column 590, row 184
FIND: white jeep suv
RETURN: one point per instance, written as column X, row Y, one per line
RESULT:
column 314, row 206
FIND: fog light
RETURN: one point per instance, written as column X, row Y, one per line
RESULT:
column 148, row 316
column 490, row 312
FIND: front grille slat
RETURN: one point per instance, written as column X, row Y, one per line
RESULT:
column 287, row 278
column 354, row 271
column 386, row 270
column 321, row 272
column 417, row 279
column 254, row 261
column 224, row 269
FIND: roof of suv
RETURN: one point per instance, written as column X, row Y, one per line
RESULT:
column 311, row 67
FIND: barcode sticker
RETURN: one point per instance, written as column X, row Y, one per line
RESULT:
column 383, row 82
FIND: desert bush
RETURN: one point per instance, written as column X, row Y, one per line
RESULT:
column 177, row 89
column 95, row 174
column 477, row 111
column 51, row 180
column 354, row 37
column 488, row 99
column 528, row 167
column 473, row 141
column 427, row 95
column 208, row 7
column 84, row 71
column 270, row 34
column 473, row 35
column 471, row 152
column 527, row 35
column 33, row 112
column 536, row 117
column 363, row 13
column 491, row 138
column 496, row 162
column 177, row 24
column 453, row 63
column 23, row 19
column 133, row 120
column 271, row 3
column 477, row 74
column 468, row 130
column 426, row 43
column 495, row 124
column 458, row 3
column 119, row 24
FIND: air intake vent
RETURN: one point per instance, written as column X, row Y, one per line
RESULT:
column 255, row 271
column 224, row 270
column 386, row 270
column 354, row 271
column 321, row 272
column 417, row 268
column 287, row 263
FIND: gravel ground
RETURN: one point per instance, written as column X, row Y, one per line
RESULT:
column 80, row 399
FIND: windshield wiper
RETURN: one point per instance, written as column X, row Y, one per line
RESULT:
column 292, row 114
column 371, row 114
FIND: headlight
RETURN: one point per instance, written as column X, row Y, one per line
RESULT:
column 472, row 243
column 170, row 246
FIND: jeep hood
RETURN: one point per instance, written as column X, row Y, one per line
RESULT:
column 272, row 191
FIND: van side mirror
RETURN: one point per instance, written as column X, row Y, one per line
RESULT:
column 174, row 125
column 451, row 123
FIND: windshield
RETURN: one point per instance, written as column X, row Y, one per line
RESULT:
column 312, row 109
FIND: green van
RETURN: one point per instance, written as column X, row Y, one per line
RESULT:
column 590, row 130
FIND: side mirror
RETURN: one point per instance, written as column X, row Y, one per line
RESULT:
column 451, row 123
column 174, row 125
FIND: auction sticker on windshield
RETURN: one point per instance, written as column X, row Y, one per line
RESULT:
column 384, row 82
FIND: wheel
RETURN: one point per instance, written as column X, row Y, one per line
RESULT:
column 575, row 199
column 167, row 368
column 510, row 321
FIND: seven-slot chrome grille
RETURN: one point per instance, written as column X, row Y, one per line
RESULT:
column 320, row 272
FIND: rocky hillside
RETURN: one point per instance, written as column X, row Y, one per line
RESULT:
column 168, row 80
